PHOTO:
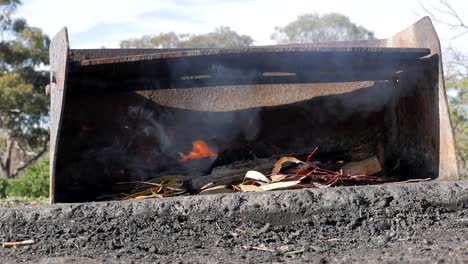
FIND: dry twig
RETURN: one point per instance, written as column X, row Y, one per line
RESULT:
column 19, row 243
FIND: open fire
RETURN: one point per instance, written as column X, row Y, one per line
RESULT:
column 200, row 150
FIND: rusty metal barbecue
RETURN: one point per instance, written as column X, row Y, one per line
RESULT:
column 391, row 90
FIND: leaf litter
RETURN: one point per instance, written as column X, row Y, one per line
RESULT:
column 287, row 173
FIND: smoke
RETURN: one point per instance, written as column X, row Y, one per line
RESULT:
column 146, row 141
column 142, row 122
column 148, row 136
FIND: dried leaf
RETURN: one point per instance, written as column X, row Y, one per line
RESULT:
column 418, row 180
column 165, row 178
column 250, row 182
column 295, row 177
column 206, row 186
column 278, row 177
column 170, row 191
column 279, row 185
column 146, row 192
column 141, row 182
column 256, row 176
column 368, row 166
column 154, row 195
column 170, row 184
column 217, row 189
column 280, row 162
column 250, row 188
column 171, row 188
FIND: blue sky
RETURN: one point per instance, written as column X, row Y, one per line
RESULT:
column 98, row 23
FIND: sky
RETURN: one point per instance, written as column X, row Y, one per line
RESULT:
column 104, row 23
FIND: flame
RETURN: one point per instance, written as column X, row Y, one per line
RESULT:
column 200, row 150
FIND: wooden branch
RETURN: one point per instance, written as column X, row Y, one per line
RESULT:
column 4, row 156
column 448, row 11
column 454, row 13
column 459, row 35
column 2, row 164
column 33, row 159
column 7, row 162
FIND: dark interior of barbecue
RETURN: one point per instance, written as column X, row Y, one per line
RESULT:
column 126, row 135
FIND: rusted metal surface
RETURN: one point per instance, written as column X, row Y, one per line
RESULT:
column 58, row 77
column 423, row 34
column 362, row 52
column 78, row 55
column 230, row 98
column 273, row 65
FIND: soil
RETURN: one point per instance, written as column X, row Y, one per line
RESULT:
column 392, row 223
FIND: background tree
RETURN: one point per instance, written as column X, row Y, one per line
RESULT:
column 312, row 28
column 23, row 105
column 456, row 74
column 222, row 37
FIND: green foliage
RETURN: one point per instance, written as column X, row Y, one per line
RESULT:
column 459, row 114
column 222, row 37
column 21, row 109
column 23, row 105
column 33, row 183
column 312, row 28
column 3, row 187
column 163, row 41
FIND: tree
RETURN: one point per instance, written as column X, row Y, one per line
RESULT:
column 456, row 75
column 312, row 28
column 162, row 41
column 23, row 105
column 222, row 37
column 459, row 115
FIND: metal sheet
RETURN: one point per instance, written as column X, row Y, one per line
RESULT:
column 423, row 34
column 230, row 98
column 217, row 67
column 58, row 78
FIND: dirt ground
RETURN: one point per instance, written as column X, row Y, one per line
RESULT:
column 395, row 223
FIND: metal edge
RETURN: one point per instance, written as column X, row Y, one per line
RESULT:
column 422, row 34
column 170, row 54
column 58, row 52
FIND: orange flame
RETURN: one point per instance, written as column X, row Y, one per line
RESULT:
column 200, row 150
